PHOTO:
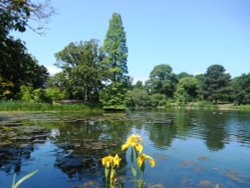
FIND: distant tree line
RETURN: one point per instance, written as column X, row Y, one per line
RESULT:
column 215, row 86
column 99, row 74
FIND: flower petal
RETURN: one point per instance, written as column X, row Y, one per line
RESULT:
column 117, row 160
column 152, row 162
column 141, row 159
column 125, row 146
column 139, row 147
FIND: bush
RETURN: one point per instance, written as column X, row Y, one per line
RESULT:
column 28, row 94
column 55, row 94
column 139, row 98
column 157, row 100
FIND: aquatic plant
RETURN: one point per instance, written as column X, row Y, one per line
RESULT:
column 16, row 184
column 110, row 163
column 28, row 106
column 135, row 142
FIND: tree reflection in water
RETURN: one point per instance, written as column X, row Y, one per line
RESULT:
column 17, row 143
column 83, row 144
column 79, row 143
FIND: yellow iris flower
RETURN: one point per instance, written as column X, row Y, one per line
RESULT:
column 134, row 141
column 110, row 161
column 117, row 160
column 141, row 159
column 107, row 161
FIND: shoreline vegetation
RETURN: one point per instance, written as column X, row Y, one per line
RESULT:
column 20, row 106
column 44, row 107
column 94, row 73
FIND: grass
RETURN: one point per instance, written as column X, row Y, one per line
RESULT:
column 193, row 105
column 210, row 106
column 244, row 107
column 27, row 106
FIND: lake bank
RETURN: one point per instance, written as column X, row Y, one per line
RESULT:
column 47, row 107
column 18, row 106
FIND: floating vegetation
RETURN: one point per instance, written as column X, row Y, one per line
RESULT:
column 199, row 170
column 233, row 175
column 187, row 164
column 206, row 183
column 161, row 156
column 187, row 182
column 203, row 158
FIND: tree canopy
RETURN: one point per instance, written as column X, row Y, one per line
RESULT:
column 241, row 89
column 187, row 89
column 15, row 15
column 162, row 80
column 17, row 66
column 80, row 63
column 216, row 86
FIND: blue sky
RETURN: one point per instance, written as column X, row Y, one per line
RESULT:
column 189, row 35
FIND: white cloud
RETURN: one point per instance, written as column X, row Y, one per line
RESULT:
column 53, row 70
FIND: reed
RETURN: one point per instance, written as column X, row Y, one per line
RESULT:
column 27, row 106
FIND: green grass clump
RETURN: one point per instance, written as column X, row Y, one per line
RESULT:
column 27, row 106
column 244, row 107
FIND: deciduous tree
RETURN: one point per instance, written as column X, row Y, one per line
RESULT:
column 162, row 80
column 241, row 89
column 81, row 68
column 187, row 89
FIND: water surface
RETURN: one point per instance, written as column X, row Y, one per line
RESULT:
column 191, row 148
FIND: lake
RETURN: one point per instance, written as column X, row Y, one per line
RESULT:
column 192, row 148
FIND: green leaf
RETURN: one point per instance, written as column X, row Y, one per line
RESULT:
column 134, row 172
column 14, row 180
column 24, row 178
column 143, row 167
column 141, row 183
column 107, row 170
column 132, row 156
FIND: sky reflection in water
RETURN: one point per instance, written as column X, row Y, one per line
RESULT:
column 191, row 148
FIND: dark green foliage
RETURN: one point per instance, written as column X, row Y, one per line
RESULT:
column 216, row 85
column 59, row 80
column 241, row 89
column 19, row 67
column 29, row 94
column 162, row 80
column 157, row 100
column 138, row 85
column 81, row 77
column 115, row 50
column 187, row 89
column 140, row 98
column 15, row 15
column 115, row 95
column 183, row 75
column 114, row 65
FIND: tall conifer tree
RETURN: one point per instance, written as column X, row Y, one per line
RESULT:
column 116, row 50
column 115, row 63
